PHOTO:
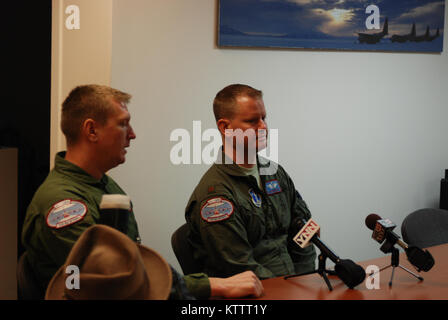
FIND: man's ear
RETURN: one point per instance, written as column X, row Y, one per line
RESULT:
column 90, row 130
column 223, row 124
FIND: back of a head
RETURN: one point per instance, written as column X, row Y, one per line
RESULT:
column 225, row 100
column 88, row 101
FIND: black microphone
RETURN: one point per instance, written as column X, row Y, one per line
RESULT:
column 383, row 230
column 349, row 272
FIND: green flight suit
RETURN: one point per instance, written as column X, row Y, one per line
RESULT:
column 236, row 226
column 48, row 241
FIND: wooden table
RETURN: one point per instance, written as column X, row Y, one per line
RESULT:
column 404, row 286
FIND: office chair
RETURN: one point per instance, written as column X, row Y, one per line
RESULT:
column 184, row 251
column 28, row 288
column 425, row 227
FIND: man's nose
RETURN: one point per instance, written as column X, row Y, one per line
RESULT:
column 131, row 133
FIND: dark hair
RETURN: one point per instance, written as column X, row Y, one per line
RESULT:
column 225, row 100
column 88, row 101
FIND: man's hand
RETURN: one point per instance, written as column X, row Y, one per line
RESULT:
column 240, row 285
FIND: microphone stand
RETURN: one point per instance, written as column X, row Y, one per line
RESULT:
column 395, row 261
column 320, row 270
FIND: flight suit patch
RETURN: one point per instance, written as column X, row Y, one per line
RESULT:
column 216, row 209
column 65, row 213
column 273, row 187
column 256, row 199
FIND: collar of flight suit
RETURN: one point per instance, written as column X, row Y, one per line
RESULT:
column 228, row 166
column 72, row 171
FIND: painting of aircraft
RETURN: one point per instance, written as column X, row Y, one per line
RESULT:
column 372, row 38
column 412, row 37
column 404, row 38
column 332, row 24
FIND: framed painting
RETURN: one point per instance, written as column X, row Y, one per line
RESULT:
column 371, row 25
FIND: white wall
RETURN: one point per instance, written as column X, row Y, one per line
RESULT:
column 359, row 132
column 79, row 56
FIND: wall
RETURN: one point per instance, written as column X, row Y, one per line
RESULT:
column 79, row 56
column 359, row 132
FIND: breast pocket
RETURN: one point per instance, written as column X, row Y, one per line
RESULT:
column 255, row 223
column 280, row 208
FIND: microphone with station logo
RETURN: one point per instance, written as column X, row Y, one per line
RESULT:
column 383, row 232
column 349, row 272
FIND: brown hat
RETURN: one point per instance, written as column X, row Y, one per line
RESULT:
column 112, row 266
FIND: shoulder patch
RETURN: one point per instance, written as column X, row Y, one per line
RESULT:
column 256, row 199
column 65, row 213
column 216, row 209
column 273, row 187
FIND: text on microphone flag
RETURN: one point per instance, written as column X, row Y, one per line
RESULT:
column 305, row 234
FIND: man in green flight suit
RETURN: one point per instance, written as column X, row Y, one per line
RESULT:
column 96, row 124
column 243, row 212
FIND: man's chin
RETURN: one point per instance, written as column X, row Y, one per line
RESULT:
column 120, row 160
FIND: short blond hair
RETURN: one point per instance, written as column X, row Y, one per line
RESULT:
column 88, row 101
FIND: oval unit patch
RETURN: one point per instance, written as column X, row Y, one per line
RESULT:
column 216, row 209
column 65, row 213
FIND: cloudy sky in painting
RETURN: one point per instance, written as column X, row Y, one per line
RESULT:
column 331, row 17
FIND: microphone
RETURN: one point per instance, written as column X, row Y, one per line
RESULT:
column 349, row 272
column 383, row 230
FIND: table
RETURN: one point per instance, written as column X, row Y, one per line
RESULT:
column 404, row 287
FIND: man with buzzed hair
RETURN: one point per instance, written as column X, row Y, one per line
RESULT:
column 241, row 216
column 96, row 124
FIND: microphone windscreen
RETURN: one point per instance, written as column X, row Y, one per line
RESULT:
column 422, row 260
column 371, row 220
column 349, row 272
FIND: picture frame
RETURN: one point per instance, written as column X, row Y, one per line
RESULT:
column 380, row 25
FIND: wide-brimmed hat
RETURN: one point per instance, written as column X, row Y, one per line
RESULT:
column 111, row 266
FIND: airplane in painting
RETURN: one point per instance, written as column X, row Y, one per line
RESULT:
column 404, row 38
column 422, row 37
column 372, row 38
column 414, row 38
column 430, row 38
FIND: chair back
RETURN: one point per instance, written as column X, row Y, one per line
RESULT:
column 425, row 228
column 184, row 251
column 28, row 288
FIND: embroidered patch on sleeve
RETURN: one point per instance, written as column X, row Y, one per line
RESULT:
column 256, row 198
column 273, row 187
column 216, row 209
column 65, row 213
